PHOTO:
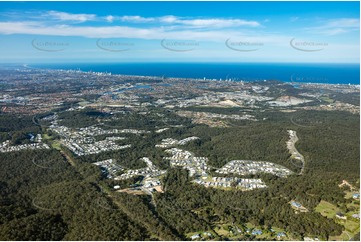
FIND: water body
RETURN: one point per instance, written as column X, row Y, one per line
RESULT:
column 287, row 72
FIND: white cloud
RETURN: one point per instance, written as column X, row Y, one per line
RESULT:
column 41, row 28
column 333, row 31
column 344, row 23
column 137, row 19
column 336, row 26
column 196, row 22
column 168, row 19
column 109, row 18
column 63, row 16
column 219, row 23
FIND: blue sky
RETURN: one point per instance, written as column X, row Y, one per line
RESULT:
column 45, row 32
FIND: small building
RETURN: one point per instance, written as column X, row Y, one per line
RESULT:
column 296, row 204
column 195, row 236
column 356, row 215
column 207, row 234
column 310, row 239
column 257, row 232
column 116, row 187
column 281, row 235
column 340, row 215
column 356, row 196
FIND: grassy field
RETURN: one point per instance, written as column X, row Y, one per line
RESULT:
column 352, row 226
column 327, row 99
column 327, row 209
column 221, row 231
column 353, row 207
column 56, row 145
column 46, row 137
column 348, row 194
column 224, row 230
column 343, row 237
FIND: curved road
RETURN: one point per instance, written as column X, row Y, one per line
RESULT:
column 295, row 154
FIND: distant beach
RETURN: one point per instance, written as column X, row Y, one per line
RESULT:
column 286, row 72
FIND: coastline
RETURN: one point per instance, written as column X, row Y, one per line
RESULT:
column 174, row 78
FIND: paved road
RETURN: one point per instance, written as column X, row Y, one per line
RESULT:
column 291, row 147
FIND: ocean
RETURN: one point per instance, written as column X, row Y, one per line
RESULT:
column 287, row 72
